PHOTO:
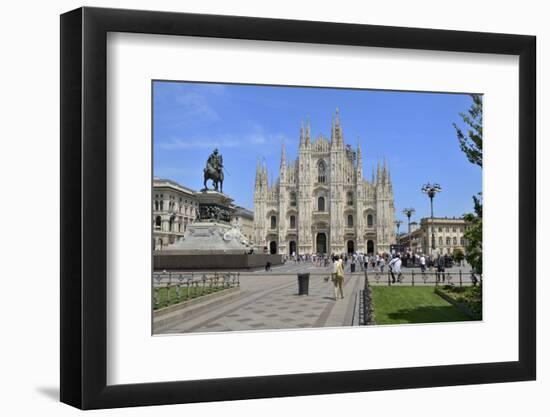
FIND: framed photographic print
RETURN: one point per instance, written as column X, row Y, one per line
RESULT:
column 258, row 207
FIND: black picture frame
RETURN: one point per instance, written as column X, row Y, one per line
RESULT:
column 84, row 207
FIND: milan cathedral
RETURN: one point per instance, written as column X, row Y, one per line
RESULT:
column 321, row 203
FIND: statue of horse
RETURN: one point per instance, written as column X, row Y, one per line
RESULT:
column 215, row 176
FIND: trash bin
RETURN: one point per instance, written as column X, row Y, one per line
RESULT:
column 303, row 284
column 352, row 267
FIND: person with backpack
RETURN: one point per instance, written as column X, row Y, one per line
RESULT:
column 395, row 268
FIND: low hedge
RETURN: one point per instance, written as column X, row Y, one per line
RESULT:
column 468, row 299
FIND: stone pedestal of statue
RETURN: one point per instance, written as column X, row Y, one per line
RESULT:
column 213, row 232
column 212, row 242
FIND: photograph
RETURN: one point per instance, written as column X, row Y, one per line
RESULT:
column 281, row 207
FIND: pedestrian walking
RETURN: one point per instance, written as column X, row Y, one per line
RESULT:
column 395, row 268
column 338, row 277
column 381, row 264
column 440, row 268
column 422, row 262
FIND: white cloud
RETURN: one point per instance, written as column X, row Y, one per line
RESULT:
column 177, row 143
column 258, row 138
column 171, row 171
column 196, row 101
column 195, row 104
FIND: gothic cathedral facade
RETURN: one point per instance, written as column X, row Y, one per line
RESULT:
column 321, row 204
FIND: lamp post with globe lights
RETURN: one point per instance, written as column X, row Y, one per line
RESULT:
column 398, row 223
column 431, row 190
column 409, row 212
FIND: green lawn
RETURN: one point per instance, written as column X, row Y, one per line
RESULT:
column 396, row 305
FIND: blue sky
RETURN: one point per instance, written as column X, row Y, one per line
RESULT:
column 248, row 122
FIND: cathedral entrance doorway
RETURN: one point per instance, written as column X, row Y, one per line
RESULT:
column 273, row 248
column 370, row 247
column 351, row 246
column 321, row 243
column 292, row 247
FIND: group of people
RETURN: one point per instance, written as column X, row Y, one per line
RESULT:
column 378, row 263
column 350, row 262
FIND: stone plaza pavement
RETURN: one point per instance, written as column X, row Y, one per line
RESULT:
column 270, row 300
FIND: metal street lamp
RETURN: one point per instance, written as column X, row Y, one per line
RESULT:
column 398, row 223
column 431, row 190
column 409, row 212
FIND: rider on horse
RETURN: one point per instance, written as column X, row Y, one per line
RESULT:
column 215, row 162
column 213, row 170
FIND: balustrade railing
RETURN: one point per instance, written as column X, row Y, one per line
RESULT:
column 174, row 287
column 412, row 277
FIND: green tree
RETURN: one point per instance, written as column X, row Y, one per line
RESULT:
column 458, row 255
column 474, row 236
column 471, row 144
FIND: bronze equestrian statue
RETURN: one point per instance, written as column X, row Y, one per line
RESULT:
column 214, row 171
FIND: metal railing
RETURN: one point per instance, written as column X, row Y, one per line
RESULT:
column 412, row 277
column 174, row 287
column 366, row 308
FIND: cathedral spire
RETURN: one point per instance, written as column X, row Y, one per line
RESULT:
column 302, row 134
column 308, row 133
column 332, row 133
column 282, row 169
column 257, row 182
column 264, row 175
column 359, row 162
column 338, row 128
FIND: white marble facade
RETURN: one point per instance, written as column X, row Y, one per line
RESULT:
column 321, row 203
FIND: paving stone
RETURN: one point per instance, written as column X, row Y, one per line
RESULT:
column 268, row 304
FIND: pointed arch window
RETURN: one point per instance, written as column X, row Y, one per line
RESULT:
column 273, row 222
column 350, row 220
column 321, row 171
column 321, row 204
column 293, row 199
column 293, row 222
column 349, row 198
column 370, row 220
